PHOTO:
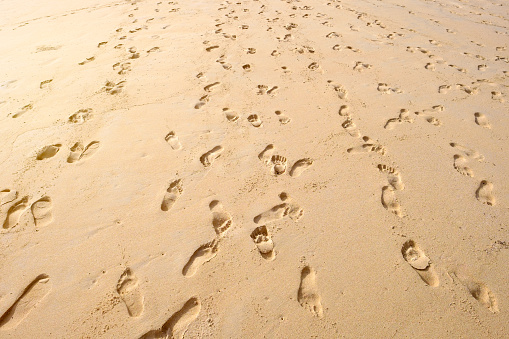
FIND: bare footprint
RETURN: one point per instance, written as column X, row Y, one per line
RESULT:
column 390, row 202
column 89, row 150
column 209, row 157
column 420, row 263
column 295, row 211
column 393, row 176
column 263, row 242
column 404, row 116
column 254, row 120
column 176, row 327
column 300, row 166
column 172, row 194
column 275, row 213
column 76, row 151
column 81, row 116
column 48, row 152
column 460, row 165
column 351, row 128
column 127, row 288
column 173, row 140
column 230, row 115
column 203, row 254
column 14, row 213
column 308, row 295
column 265, row 156
column 430, row 119
column 211, row 86
column 283, row 119
column 471, row 153
column 33, row 294
column 369, row 146
column 278, row 163
column 480, row 291
column 481, row 120
column 7, row 196
column 483, row 194
column 221, row 220
column 41, row 210
column 344, row 111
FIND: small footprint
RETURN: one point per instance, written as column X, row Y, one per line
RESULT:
column 78, row 152
column 31, row 297
column 173, row 140
column 265, row 156
column 471, row 153
column 263, row 242
column 45, row 83
column 41, row 210
column 127, row 288
column 172, row 194
column 344, row 111
column 416, row 258
column 339, row 89
column 14, row 213
column 86, row 61
column 369, row 146
column 176, row 327
column 308, row 295
column 255, row 120
column 480, row 291
column 203, row 254
column 481, row 120
column 460, row 165
column 404, row 116
column 351, row 128
column 390, row 202
column 81, row 116
column 393, row 176
column 7, row 196
column 48, row 152
column 430, row 119
column 230, row 115
column 209, row 157
column 443, row 89
column 278, row 165
column 283, row 119
column 211, row 86
column 22, row 111
column 484, row 193
column 287, row 208
column 300, row 166
column 360, row 66
column 221, row 220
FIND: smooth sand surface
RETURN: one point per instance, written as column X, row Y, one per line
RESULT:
column 254, row 169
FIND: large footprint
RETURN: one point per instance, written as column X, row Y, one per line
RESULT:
column 172, row 194
column 130, row 294
column 420, row 263
column 300, row 166
column 178, row 323
column 203, row 254
column 33, row 294
column 308, row 295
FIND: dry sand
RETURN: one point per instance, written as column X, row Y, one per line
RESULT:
column 254, row 169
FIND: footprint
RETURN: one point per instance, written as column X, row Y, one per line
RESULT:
column 172, row 194
column 384, row 88
column 300, row 166
column 7, row 196
column 351, row 128
column 230, row 115
column 114, row 88
column 340, row 90
column 87, row 60
column 89, row 150
column 344, row 111
column 283, row 119
column 14, row 213
column 209, row 49
column 471, row 153
column 211, row 86
column 81, row 116
column 203, row 254
column 176, row 327
column 369, row 146
column 393, row 176
column 359, row 66
column 173, row 141
column 308, row 295
column 33, row 294
column 495, row 95
column 483, row 194
column 221, row 220
column 481, row 120
column 429, row 118
column 48, row 152
column 460, row 165
column 263, row 242
column 390, row 202
column 480, row 291
column 254, row 120
column 45, row 83
column 76, row 151
column 273, row 90
column 404, row 116
column 278, row 165
column 209, row 157
column 275, row 213
column 127, row 288
column 41, row 210
column 265, row 156
column 420, row 263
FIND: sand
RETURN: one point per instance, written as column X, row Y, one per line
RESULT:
column 254, row 169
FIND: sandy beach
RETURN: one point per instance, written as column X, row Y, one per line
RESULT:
column 254, row 169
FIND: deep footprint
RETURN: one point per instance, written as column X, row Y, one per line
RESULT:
column 127, row 288
column 308, row 295
column 209, row 157
column 416, row 258
column 172, row 194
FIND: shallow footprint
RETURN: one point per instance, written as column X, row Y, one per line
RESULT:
column 176, row 327
column 460, row 165
column 41, row 210
column 15, row 212
column 230, row 115
column 484, row 193
column 275, row 213
column 33, row 294
column 471, row 153
column 203, row 254
column 254, row 120
column 173, row 141
column 48, row 152
column 393, row 176
column 481, row 120
column 480, row 291
column 7, row 196
column 283, row 119
column 209, row 157
column 300, row 166
column 308, row 295
column 172, row 194
column 89, row 150
column 263, row 242
column 266, row 155
column 127, row 288
column 221, row 220
column 390, row 202
column 351, row 128
column 295, row 211
column 416, row 258
column 76, row 151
